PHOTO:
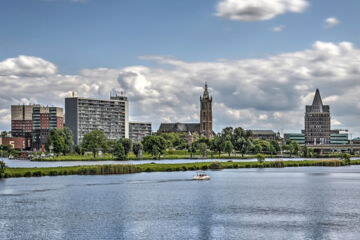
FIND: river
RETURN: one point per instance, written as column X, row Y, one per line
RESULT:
column 30, row 164
column 288, row 203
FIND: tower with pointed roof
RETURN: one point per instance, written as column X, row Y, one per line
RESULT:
column 206, row 114
column 317, row 122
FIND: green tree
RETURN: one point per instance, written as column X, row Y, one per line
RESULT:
column 246, row 145
column 257, row 148
column 79, row 150
column 217, row 144
column 272, row 150
column 137, row 148
column 191, row 149
column 260, row 157
column 94, row 141
column 345, row 157
column 228, row 147
column 127, row 144
column 3, row 134
column 2, row 168
column 66, row 134
column 155, row 145
column 202, row 148
column 56, row 140
column 119, row 150
column 275, row 145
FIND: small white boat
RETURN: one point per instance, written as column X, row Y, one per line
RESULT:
column 201, row 176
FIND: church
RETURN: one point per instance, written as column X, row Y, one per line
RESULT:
column 204, row 128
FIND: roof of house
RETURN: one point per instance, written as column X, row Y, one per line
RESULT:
column 179, row 127
column 263, row 132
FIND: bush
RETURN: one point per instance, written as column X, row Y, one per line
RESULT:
column 37, row 174
column 260, row 157
column 53, row 173
column 216, row 165
column 205, row 167
column 27, row 174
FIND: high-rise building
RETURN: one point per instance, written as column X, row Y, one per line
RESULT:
column 33, row 122
column 317, row 122
column 206, row 114
column 138, row 130
column 86, row 114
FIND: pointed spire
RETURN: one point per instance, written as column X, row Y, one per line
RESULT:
column 317, row 99
column 206, row 93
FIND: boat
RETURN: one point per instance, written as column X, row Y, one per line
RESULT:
column 201, row 176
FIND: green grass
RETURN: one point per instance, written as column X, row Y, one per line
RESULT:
column 152, row 167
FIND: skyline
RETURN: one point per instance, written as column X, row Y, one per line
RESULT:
column 262, row 69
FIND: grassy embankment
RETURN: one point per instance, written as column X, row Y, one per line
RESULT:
column 171, row 154
column 123, row 169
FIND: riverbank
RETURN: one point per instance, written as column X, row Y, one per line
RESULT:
column 152, row 167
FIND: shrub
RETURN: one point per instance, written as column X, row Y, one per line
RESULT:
column 37, row 174
column 204, row 167
column 216, row 165
column 53, row 173
column 27, row 174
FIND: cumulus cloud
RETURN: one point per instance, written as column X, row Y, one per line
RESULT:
column 27, row 66
column 331, row 22
column 259, row 93
column 259, row 10
column 278, row 28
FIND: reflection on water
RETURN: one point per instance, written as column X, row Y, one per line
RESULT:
column 290, row 203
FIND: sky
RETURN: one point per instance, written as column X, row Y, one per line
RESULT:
column 262, row 59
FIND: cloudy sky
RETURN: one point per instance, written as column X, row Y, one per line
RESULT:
column 262, row 59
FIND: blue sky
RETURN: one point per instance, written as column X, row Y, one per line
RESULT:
column 113, row 33
column 263, row 59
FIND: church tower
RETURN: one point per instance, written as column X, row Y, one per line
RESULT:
column 206, row 114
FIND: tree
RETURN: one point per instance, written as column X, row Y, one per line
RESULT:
column 257, row 148
column 245, row 144
column 2, row 168
column 79, row 150
column 275, row 145
column 260, row 157
column 295, row 147
column 228, row 147
column 217, row 144
column 56, row 140
column 119, row 150
column 66, row 134
column 137, row 148
column 345, row 157
column 272, row 150
column 3, row 134
column 155, row 145
column 94, row 141
column 191, row 149
column 202, row 148
column 127, row 144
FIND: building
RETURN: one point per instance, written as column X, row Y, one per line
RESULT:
column 84, row 115
column 203, row 128
column 33, row 122
column 206, row 114
column 338, row 136
column 18, row 143
column 296, row 137
column 264, row 134
column 317, row 122
column 138, row 130
column 179, row 128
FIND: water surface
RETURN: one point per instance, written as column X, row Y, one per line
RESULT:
column 289, row 203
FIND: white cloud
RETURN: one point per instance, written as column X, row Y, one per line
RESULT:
column 331, row 22
column 26, row 66
column 257, row 93
column 278, row 28
column 259, row 10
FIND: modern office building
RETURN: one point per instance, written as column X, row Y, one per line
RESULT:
column 338, row 136
column 317, row 122
column 86, row 114
column 297, row 137
column 33, row 122
column 138, row 130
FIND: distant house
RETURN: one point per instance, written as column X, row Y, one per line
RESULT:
column 179, row 128
column 264, row 134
